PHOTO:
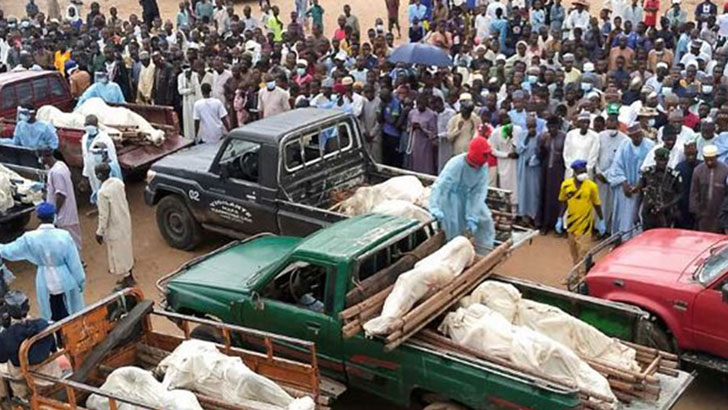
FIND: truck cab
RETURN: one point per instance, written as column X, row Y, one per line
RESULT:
column 680, row 277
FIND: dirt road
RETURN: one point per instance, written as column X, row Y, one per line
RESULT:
column 545, row 261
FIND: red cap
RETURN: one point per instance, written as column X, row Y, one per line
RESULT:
column 478, row 152
column 339, row 88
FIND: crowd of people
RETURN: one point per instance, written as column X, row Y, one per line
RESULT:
column 597, row 117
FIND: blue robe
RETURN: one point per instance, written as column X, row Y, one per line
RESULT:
column 109, row 92
column 626, row 167
column 51, row 247
column 528, row 175
column 36, row 135
column 459, row 193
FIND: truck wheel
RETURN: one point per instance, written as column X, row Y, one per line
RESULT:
column 177, row 225
column 654, row 333
column 15, row 225
column 207, row 333
column 444, row 405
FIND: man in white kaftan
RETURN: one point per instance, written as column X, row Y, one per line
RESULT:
column 115, row 225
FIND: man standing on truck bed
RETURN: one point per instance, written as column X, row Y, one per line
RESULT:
column 458, row 197
column 31, row 132
column 108, row 91
column 97, row 147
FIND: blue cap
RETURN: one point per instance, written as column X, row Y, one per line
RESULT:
column 45, row 210
column 578, row 164
column 69, row 65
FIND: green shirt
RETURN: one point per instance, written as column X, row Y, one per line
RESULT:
column 204, row 9
column 317, row 14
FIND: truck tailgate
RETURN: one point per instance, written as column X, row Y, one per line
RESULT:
column 137, row 156
column 672, row 389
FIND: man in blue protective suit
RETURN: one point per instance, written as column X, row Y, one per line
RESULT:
column 60, row 277
column 108, row 91
column 31, row 132
column 458, row 197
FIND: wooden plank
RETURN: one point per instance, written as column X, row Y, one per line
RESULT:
column 121, row 332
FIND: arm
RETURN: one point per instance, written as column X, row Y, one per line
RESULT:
column 695, row 194
column 74, row 264
column 593, row 155
column 476, row 201
column 51, row 137
column 16, row 251
column 677, row 186
column 60, row 200
column 103, row 206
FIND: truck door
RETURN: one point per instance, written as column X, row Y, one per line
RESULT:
column 298, row 302
column 710, row 315
column 237, row 201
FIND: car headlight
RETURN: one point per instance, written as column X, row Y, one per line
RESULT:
column 150, row 175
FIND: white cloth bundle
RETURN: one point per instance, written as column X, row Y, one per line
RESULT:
column 30, row 192
column 398, row 207
column 485, row 330
column 406, row 188
column 584, row 339
column 73, row 120
column 199, row 366
column 427, row 276
column 140, row 385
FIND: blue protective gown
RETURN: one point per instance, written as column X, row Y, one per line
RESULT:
column 35, row 135
column 528, row 174
column 626, row 167
column 50, row 248
column 459, row 193
column 109, row 92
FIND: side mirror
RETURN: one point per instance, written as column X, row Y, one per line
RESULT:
column 724, row 292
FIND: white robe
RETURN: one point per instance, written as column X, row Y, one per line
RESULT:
column 189, row 89
column 507, row 167
column 115, row 226
column 583, row 147
column 90, row 160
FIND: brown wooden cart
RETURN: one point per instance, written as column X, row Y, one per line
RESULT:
column 123, row 330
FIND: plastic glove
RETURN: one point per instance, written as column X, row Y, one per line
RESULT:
column 559, row 225
column 437, row 214
column 601, row 227
column 472, row 227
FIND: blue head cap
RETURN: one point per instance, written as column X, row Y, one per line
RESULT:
column 45, row 210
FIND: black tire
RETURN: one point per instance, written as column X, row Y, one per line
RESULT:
column 176, row 223
column 15, row 225
column 207, row 333
column 656, row 335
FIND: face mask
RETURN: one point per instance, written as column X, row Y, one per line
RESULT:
column 707, row 89
column 23, row 117
column 582, row 177
column 91, row 129
column 271, row 85
column 301, row 71
column 651, row 122
column 104, row 81
column 380, row 27
column 666, row 90
column 586, row 87
column 533, row 79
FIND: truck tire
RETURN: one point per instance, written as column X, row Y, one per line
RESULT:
column 176, row 223
column 15, row 225
column 207, row 333
column 654, row 333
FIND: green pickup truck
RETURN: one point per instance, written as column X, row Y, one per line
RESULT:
column 297, row 287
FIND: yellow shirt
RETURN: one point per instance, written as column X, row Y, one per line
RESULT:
column 59, row 61
column 580, row 205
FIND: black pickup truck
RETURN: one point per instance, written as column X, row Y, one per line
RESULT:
column 279, row 175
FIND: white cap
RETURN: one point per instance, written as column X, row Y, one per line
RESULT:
column 588, row 67
column 710, row 151
column 465, row 97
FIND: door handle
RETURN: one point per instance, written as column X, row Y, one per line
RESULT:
column 680, row 305
column 618, row 283
column 313, row 327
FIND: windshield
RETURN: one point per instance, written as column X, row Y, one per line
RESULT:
column 716, row 264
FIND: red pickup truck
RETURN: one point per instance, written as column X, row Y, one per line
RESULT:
column 681, row 278
column 49, row 88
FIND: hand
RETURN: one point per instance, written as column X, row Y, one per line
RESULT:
column 512, row 155
column 81, row 286
column 99, row 239
column 559, row 225
column 415, row 125
column 627, row 190
column 601, row 178
column 601, row 227
column 437, row 214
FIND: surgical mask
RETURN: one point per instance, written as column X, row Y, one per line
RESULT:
column 666, row 90
column 23, row 117
column 91, row 129
column 582, row 177
column 533, row 79
column 270, row 85
column 104, row 80
column 379, row 27
column 707, row 89
column 301, row 71
column 586, row 86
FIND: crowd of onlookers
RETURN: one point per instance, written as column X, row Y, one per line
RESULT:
column 638, row 93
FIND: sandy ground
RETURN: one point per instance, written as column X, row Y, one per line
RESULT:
column 546, row 260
